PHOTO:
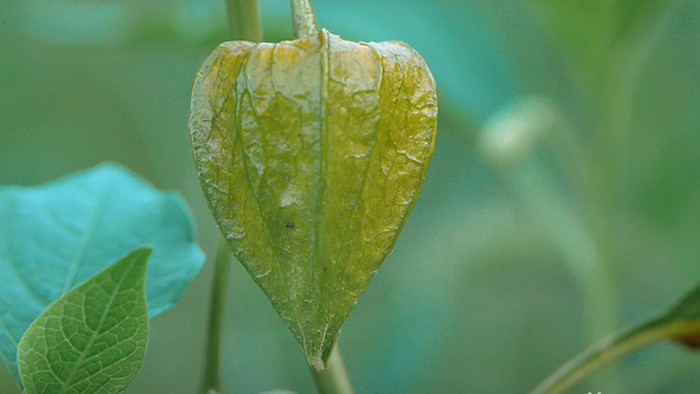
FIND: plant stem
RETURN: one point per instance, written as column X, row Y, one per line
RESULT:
column 334, row 380
column 303, row 18
column 610, row 349
column 619, row 88
column 576, row 245
column 212, row 367
column 244, row 20
column 244, row 23
column 613, row 138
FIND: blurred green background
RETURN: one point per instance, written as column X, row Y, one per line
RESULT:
column 562, row 202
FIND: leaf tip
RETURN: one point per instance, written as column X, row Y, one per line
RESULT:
column 138, row 258
column 144, row 251
column 689, row 341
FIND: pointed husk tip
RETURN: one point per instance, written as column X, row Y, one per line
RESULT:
column 317, row 364
column 318, row 358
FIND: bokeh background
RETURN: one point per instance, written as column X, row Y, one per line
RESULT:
column 562, row 202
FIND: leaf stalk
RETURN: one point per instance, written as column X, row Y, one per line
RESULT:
column 612, row 348
column 335, row 379
column 303, row 18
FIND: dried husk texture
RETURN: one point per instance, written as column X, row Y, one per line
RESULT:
column 311, row 154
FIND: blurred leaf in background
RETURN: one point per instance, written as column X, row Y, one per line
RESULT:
column 477, row 296
column 60, row 234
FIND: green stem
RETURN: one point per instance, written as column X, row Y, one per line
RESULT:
column 607, row 185
column 304, row 18
column 212, row 368
column 576, row 245
column 244, row 23
column 610, row 349
column 244, row 20
column 619, row 88
column 335, row 379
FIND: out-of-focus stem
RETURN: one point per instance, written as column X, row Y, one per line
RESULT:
column 576, row 245
column 212, row 369
column 244, row 20
column 244, row 23
column 610, row 349
column 335, row 379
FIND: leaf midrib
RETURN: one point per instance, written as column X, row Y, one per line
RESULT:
column 84, row 242
column 96, row 333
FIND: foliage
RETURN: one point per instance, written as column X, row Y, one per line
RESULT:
column 478, row 293
column 680, row 322
column 58, row 235
column 93, row 338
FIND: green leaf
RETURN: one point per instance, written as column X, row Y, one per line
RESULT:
column 93, row 339
column 311, row 154
column 680, row 322
column 57, row 235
